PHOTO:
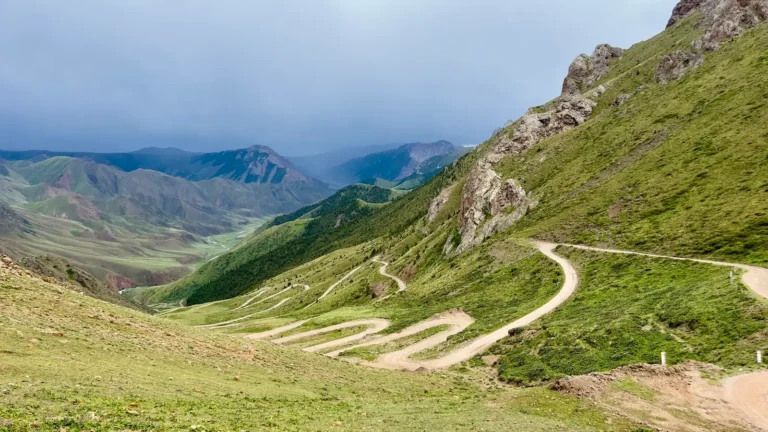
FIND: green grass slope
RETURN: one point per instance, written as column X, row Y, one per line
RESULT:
column 629, row 309
column 72, row 362
column 679, row 169
column 323, row 234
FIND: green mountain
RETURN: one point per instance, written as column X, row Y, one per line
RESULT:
column 275, row 246
column 139, row 227
column 256, row 164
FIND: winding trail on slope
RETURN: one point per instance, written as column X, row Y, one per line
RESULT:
column 235, row 321
column 400, row 360
column 383, row 271
column 458, row 321
column 338, row 282
column 247, row 302
column 747, row 393
column 755, row 278
column 375, row 325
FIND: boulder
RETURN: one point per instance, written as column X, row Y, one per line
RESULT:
column 674, row 66
column 586, row 70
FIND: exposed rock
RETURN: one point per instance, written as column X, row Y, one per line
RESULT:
column 534, row 127
column 586, row 70
column 378, row 290
column 622, row 99
column 578, row 74
column 674, row 66
column 682, row 10
column 486, row 195
column 723, row 20
column 726, row 19
column 439, row 203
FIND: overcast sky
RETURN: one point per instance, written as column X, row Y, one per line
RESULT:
column 301, row 76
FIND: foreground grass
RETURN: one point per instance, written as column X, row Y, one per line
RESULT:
column 69, row 361
column 629, row 309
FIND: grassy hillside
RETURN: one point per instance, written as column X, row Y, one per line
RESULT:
column 76, row 363
column 629, row 309
column 679, row 169
column 360, row 223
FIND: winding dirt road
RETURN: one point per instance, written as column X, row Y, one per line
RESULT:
column 400, row 360
column 458, row 321
column 383, row 271
column 747, row 393
column 247, row 302
column 235, row 321
column 755, row 278
column 375, row 325
column 332, row 287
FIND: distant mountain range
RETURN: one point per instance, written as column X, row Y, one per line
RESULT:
column 405, row 166
column 106, row 213
column 256, row 164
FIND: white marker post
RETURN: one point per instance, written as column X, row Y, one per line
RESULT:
column 663, row 359
column 760, row 357
column 731, row 275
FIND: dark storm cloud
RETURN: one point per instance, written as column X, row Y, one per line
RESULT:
column 300, row 75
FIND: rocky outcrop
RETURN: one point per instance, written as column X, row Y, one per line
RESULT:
column 726, row 19
column 622, row 99
column 682, row 10
column 489, row 205
column 723, row 20
column 673, row 66
column 439, row 203
column 586, row 70
column 535, row 126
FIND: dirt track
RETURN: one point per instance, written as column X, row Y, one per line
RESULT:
column 755, row 278
column 383, row 271
column 749, row 394
column 400, row 360
column 458, row 321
